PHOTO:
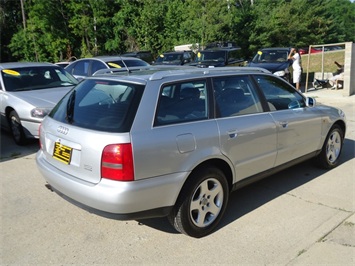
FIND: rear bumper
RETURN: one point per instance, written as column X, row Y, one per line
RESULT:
column 151, row 197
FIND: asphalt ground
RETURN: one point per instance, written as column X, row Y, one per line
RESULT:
column 300, row 216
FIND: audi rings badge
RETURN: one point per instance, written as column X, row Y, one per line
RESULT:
column 63, row 130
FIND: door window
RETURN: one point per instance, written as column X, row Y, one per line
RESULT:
column 182, row 102
column 81, row 68
column 235, row 96
column 279, row 94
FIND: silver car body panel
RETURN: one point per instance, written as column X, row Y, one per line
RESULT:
column 114, row 196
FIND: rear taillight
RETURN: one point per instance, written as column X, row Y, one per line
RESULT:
column 117, row 162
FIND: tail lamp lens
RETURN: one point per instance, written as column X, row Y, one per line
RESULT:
column 117, row 162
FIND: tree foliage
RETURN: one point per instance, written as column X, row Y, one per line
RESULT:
column 54, row 30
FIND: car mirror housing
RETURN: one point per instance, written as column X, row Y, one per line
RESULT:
column 310, row 102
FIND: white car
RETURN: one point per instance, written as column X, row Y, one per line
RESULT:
column 28, row 93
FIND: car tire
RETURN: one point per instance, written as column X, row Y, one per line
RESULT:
column 17, row 131
column 201, row 203
column 331, row 150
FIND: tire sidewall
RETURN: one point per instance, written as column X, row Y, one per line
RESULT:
column 190, row 187
column 20, row 140
column 322, row 157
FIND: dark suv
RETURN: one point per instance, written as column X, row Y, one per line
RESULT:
column 144, row 55
column 175, row 58
column 219, row 55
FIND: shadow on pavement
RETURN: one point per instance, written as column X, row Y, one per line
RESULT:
column 9, row 150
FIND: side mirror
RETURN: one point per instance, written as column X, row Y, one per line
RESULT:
column 310, row 102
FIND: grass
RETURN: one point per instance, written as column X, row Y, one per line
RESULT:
column 315, row 62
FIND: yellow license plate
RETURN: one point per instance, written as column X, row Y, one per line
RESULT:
column 62, row 153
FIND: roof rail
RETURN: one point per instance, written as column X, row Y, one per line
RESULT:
column 205, row 71
column 159, row 72
column 131, row 70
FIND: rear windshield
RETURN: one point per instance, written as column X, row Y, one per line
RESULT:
column 101, row 105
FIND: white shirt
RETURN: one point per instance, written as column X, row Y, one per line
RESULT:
column 296, row 62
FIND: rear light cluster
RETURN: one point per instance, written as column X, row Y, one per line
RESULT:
column 117, row 162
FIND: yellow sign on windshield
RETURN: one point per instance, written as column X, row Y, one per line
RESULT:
column 260, row 52
column 114, row 65
column 11, row 72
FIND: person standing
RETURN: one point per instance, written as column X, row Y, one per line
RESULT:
column 297, row 66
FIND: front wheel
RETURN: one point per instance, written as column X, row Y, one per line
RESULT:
column 201, row 203
column 16, row 128
column 329, row 156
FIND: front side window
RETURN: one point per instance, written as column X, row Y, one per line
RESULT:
column 182, row 102
column 235, row 96
column 100, row 105
column 279, row 94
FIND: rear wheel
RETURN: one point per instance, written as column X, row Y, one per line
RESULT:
column 201, row 204
column 18, row 133
column 329, row 156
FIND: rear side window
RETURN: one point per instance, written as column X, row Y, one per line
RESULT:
column 182, row 102
column 100, row 105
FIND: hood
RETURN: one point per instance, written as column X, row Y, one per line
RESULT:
column 44, row 97
column 272, row 67
column 172, row 63
column 208, row 64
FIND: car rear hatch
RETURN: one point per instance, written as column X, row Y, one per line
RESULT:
column 95, row 114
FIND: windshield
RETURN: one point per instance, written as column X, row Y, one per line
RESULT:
column 169, row 58
column 128, row 63
column 218, row 56
column 270, row 56
column 36, row 78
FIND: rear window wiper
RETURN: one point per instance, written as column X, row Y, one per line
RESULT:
column 70, row 107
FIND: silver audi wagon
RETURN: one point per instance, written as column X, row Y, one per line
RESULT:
column 160, row 142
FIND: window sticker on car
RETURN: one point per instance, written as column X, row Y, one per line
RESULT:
column 11, row 72
column 114, row 65
column 199, row 54
column 260, row 52
column 62, row 153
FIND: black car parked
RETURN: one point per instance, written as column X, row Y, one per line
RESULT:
column 219, row 54
column 275, row 60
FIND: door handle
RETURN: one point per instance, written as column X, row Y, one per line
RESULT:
column 232, row 133
column 284, row 124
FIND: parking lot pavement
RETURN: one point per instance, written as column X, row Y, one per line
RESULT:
column 300, row 216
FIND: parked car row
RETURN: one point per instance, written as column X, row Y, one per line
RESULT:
column 23, row 124
column 305, row 50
